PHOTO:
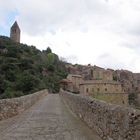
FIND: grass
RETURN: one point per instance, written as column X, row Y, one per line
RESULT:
column 118, row 99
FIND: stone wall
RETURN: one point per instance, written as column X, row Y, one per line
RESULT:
column 138, row 100
column 14, row 106
column 111, row 122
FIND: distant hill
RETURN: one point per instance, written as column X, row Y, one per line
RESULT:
column 25, row 69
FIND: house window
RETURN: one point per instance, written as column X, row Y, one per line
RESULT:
column 105, row 89
column 87, row 89
column 92, row 89
column 98, row 89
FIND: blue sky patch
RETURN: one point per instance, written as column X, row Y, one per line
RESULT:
column 10, row 19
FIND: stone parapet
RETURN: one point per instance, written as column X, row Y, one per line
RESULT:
column 14, row 106
column 111, row 122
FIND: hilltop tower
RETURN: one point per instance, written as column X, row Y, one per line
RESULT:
column 15, row 32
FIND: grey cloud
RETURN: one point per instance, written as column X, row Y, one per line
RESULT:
column 135, row 29
column 41, row 16
column 71, row 59
column 106, row 60
column 44, row 15
column 135, row 46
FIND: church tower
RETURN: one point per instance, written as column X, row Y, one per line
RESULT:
column 15, row 32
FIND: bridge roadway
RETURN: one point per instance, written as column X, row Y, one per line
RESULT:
column 48, row 119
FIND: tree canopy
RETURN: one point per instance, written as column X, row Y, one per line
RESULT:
column 25, row 69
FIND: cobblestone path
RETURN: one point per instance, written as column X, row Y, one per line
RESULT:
column 48, row 119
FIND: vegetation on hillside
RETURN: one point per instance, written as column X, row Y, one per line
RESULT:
column 25, row 69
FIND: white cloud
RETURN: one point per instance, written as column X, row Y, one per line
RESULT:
column 101, row 32
column 5, row 8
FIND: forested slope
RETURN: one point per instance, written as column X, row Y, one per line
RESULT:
column 25, row 69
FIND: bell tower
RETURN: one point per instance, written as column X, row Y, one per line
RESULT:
column 15, row 32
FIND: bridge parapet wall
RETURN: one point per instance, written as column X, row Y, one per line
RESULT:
column 111, row 122
column 14, row 106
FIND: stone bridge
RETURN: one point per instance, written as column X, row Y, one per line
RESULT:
column 47, row 119
column 65, row 116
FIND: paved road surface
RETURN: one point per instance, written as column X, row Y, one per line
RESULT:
column 48, row 119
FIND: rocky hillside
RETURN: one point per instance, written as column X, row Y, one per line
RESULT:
column 25, row 69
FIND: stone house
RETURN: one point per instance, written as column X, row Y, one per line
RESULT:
column 96, row 81
column 76, row 80
column 110, row 91
column 98, row 73
column 72, row 83
column 66, row 85
column 100, row 86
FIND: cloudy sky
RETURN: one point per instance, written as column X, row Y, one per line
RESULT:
column 100, row 32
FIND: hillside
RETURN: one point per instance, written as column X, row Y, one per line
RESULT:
column 25, row 69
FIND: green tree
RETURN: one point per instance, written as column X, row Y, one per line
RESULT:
column 48, row 50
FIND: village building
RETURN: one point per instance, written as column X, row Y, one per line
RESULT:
column 111, row 91
column 66, row 84
column 90, row 87
column 76, row 80
column 95, row 81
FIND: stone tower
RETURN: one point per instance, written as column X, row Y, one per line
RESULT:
column 15, row 32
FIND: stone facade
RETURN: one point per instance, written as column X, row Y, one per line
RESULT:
column 15, row 32
column 138, row 101
column 74, row 84
column 100, row 86
column 98, row 73
column 129, row 81
column 14, row 106
column 111, row 122
column 110, row 91
column 100, row 81
column 66, row 84
column 94, row 81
